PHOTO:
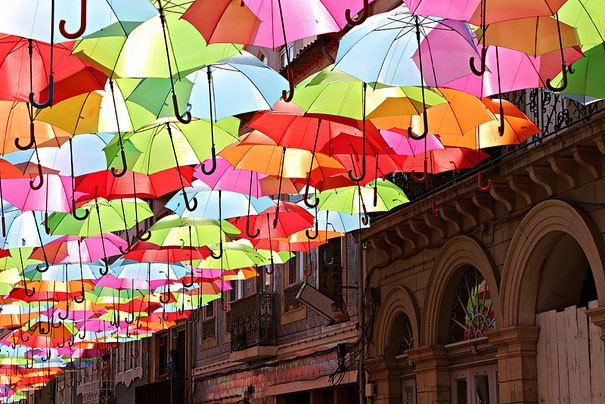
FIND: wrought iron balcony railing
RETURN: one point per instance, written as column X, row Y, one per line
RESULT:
column 252, row 321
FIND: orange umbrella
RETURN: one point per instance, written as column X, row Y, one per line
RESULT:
column 534, row 36
column 15, row 122
column 462, row 113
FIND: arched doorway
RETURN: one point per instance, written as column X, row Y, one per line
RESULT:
column 553, row 274
column 460, row 310
column 473, row 367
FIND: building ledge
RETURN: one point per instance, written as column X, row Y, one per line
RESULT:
column 253, row 354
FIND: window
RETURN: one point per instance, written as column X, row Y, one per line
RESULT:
column 262, row 57
column 295, row 269
column 209, row 311
column 283, row 57
column 249, row 287
column 267, row 281
column 472, row 309
column 237, row 292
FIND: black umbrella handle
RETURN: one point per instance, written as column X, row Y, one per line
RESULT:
column 365, row 12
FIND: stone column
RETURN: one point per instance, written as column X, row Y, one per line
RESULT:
column 517, row 368
column 386, row 375
column 432, row 374
column 597, row 317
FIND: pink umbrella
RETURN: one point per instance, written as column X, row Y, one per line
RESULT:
column 53, row 196
column 406, row 146
column 67, row 249
column 517, row 71
column 277, row 22
column 227, row 178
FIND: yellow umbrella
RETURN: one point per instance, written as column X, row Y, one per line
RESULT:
column 15, row 123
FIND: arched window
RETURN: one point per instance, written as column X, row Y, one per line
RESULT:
column 402, row 337
column 472, row 309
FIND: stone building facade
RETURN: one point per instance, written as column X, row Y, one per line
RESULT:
column 498, row 296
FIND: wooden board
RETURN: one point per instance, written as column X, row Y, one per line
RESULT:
column 597, row 361
column 571, row 325
column 562, row 358
column 582, row 355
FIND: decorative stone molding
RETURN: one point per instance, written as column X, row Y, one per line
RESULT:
column 398, row 300
column 458, row 252
column 521, row 276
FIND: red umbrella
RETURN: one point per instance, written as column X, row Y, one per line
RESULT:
column 448, row 159
column 104, row 184
column 25, row 66
column 148, row 252
column 291, row 219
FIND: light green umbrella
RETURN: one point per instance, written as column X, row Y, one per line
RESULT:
column 179, row 231
column 236, row 255
column 151, row 150
column 142, row 53
column 588, row 17
column 333, row 92
column 587, row 79
column 105, row 216
column 378, row 196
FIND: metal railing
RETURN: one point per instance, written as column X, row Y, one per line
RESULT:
column 252, row 321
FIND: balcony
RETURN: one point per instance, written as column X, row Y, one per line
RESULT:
column 252, row 322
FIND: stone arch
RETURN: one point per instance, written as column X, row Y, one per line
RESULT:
column 398, row 300
column 521, row 275
column 458, row 252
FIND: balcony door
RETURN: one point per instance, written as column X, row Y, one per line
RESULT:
column 477, row 385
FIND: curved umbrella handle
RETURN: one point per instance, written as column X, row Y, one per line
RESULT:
column 79, row 299
column 28, row 293
column 80, row 31
column 34, row 186
column 143, row 236
column 120, row 173
column 74, row 211
column 128, row 246
column 482, row 187
column 220, row 252
column 362, row 175
column 248, row 233
column 39, row 267
column 288, row 96
column 365, row 218
column 189, row 205
column 362, row 17
column 51, row 94
column 166, row 299
column 213, row 167
column 54, row 323
column 306, row 196
column 130, row 320
column 563, row 85
column 326, row 260
column 104, row 271
column 21, row 336
column 66, row 312
column 165, row 318
column 314, row 236
column 481, row 70
column 423, row 178
column 46, row 227
column 183, row 118
column 32, row 138
column 425, row 131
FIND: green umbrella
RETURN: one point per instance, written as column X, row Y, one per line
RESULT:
column 356, row 199
column 149, row 99
column 333, row 92
column 142, row 53
column 587, row 78
column 588, row 17
column 150, row 150
column 105, row 216
column 236, row 255
column 177, row 231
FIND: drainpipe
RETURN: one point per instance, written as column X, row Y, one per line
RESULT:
column 361, row 315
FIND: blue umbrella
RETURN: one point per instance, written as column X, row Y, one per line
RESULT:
column 385, row 49
column 232, row 204
column 73, row 18
column 237, row 85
